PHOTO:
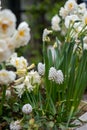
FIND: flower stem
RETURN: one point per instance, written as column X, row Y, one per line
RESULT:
column 3, row 100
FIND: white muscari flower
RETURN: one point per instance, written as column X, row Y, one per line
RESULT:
column 46, row 32
column 70, row 6
column 52, row 74
column 7, row 23
column 27, row 109
column 70, row 18
column 56, row 75
column 7, row 77
column 41, row 68
column 5, row 52
column 59, row 77
column 63, row 12
column 55, row 23
column 22, row 35
column 15, row 125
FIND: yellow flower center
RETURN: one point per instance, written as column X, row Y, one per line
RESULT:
column 70, row 6
column 21, row 33
column 86, row 20
column 3, row 74
column 4, row 26
column 16, row 62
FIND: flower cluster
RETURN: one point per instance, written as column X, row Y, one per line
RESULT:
column 72, row 14
column 56, row 75
column 49, row 94
column 15, row 125
column 72, row 21
column 27, row 108
column 20, row 63
column 10, row 39
column 27, row 82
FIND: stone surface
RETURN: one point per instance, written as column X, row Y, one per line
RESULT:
column 84, row 127
column 84, row 119
column 84, row 97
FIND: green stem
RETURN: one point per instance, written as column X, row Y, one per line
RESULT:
column 27, row 96
column 59, row 98
column 70, row 116
column 3, row 100
column 49, row 95
column 44, row 52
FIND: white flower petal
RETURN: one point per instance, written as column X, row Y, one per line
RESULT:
column 6, row 77
column 7, row 23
